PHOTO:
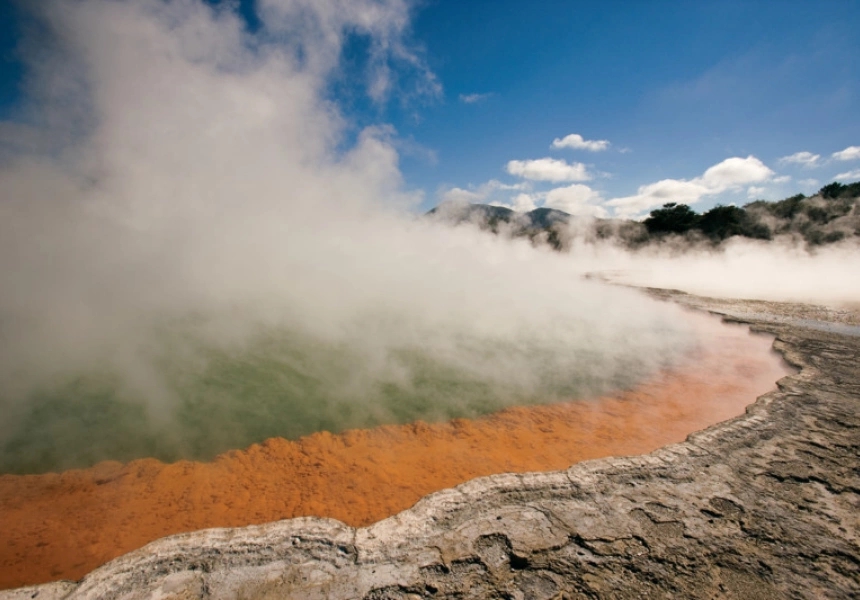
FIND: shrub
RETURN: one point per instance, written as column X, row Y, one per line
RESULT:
column 832, row 190
column 722, row 221
column 817, row 215
column 672, row 218
column 788, row 208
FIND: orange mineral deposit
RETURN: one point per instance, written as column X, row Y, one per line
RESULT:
column 61, row 526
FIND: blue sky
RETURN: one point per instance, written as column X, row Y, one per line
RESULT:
column 10, row 68
column 674, row 87
column 701, row 102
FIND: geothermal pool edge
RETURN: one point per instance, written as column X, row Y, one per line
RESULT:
column 765, row 505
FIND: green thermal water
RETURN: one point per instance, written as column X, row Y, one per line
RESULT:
column 209, row 400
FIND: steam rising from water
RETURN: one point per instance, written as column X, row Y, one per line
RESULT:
column 781, row 270
column 194, row 255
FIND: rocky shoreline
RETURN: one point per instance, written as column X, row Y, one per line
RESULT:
column 766, row 505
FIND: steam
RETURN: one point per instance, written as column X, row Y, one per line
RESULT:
column 783, row 270
column 198, row 251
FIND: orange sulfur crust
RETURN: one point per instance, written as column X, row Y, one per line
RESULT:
column 61, row 526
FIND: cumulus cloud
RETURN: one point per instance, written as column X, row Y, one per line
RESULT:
column 490, row 191
column 577, row 200
column 474, row 98
column 850, row 153
column 520, row 203
column 782, row 179
column 460, row 195
column 487, row 192
column 576, row 142
column 732, row 173
column 806, row 159
column 735, row 171
column 655, row 194
column 548, row 169
column 495, row 184
column 755, row 191
column 524, row 203
column 848, row 175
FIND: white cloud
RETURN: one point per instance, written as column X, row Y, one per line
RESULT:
column 849, row 175
column 782, row 179
column 548, row 169
column 850, row 153
column 473, row 98
column 460, row 195
column 482, row 193
column 576, row 199
column 731, row 173
column 807, row 159
column 495, row 184
column 524, row 203
column 755, row 191
column 734, row 172
column 656, row 194
column 809, row 182
column 576, row 142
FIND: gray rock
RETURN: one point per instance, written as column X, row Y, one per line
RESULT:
column 766, row 505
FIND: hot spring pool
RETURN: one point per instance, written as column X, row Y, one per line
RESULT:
column 186, row 398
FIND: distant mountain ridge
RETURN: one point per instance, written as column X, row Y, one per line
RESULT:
column 490, row 216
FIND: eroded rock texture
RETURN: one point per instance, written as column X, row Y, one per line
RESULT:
column 766, row 505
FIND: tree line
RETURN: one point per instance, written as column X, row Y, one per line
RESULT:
column 830, row 215
column 819, row 219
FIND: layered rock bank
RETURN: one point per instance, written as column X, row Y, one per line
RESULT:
column 765, row 505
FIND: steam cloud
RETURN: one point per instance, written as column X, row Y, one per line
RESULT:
column 748, row 269
column 183, row 209
column 782, row 270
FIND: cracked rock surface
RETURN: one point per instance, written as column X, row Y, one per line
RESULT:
column 766, row 505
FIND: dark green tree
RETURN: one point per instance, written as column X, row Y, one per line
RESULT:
column 786, row 209
column 672, row 218
column 832, row 190
column 722, row 222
